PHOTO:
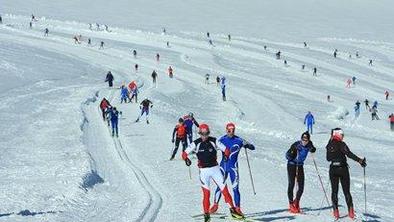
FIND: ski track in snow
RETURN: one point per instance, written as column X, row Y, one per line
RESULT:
column 255, row 79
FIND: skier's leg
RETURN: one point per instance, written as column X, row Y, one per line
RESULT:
column 184, row 143
column 334, row 187
column 300, row 181
column 116, row 128
column 218, row 179
column 218, row 194
column 235, row 185
column 291, row 174
column 177, row 141
column 345, row 183
column 205, row 179
column 190, row 137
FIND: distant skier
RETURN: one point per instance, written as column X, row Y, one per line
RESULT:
column 124, row 94
column 30, row 24
column 97, row 27
column 387, row 94
column 375, row 104
column 136, row 67
column 223, row 86
column 374, row 113
column 285, row 62
column 101, row 45
column 135, row 53
column 217, row 80
column 229, row 166
column 314, row 71
column 354, row 80
column 104, row 104
column 154, row 77
column 348, row 83
column 358, row 104
column 370, row 62
column 303, row 67
column 357, row 55
column 305, row 45
column 106, row 28
column 114, row 117
column 229, row 37
column 210, row 42
column 134, row 94
column 335, row 53
column 1, row 20
column 296, row 156
column 110, row 79
column 76, row 40
column 337, row 151
column 328, row 98
column 168, row 44
column 170, row 72
column 157, row 57
column 178, row 136
column 205, row 148
column 144, row 106
column 208, row 36
column 189, row 122
column 46, row 32
column 391, row 119
column 366, row 102
column 309, row 121
column 90, row 26
column 89, row 41
column 33, row 18
column 164, row 31
column 357, row 109
column 207, row 78
column 278, row 55
column 265, row 47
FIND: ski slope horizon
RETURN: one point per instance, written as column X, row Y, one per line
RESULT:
column 60, row 163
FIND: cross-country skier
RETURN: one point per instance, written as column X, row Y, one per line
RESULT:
column 205, row 148
column 366, row 102
column 30, row 24
column 278, row 55
column 46, row 32
column 144, row 106
column 89, row 41
column 154, row 77
column 229, row 37
column 357, row 55
column 90, row 26
column 178, row 136
column 101, row 45
column 370, row 62
column 114, row 117
column 348, row 83
column 335, row 53
column 136, row 67
column 375, row 104
column 124, row 94
column 309, row 121
column 135, row 53
column 314, row 71
column 357, row 109
column 170, row 72
column 189, row 122
column 217, row 80
column 208, row 35
column 387, row 94
column 391, row 118
column 337, row 151
column 1, row 20
column 223, row 86
column 354, row 80
column 164, row 31
column 168, row 44
column 374, row 113
column 134, row 94
column 305, row 45
column 285, row 62
column 265, row 47
column 110, row 79
column 207, row 78
column 157, row 57
column 210, row 42
column 229, row 167
column 296, row 156
column 104, row 104
column 303, row 67
column 328, row 98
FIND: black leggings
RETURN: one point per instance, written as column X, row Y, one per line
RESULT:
column 340, row 174
column 294, row 171
column 177, row 142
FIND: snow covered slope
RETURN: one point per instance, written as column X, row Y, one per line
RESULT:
column 59, row 162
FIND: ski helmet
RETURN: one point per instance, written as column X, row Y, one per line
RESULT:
column 203, row 129
column 181, row 120
column 230, row 127
column 337, row 134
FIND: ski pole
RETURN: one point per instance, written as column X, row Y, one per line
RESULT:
column 321, row 182
column 250, row 171
column 190, row 172
column 322, row 200
column 365, row 195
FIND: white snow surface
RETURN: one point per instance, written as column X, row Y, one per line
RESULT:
column 59, row 162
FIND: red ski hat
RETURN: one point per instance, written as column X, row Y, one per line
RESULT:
column 337, row 134
column 230, row 126
column 203, row 129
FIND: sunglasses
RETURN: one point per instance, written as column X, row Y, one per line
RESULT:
column 305, row 139
column 230, row 130
column 203, row 133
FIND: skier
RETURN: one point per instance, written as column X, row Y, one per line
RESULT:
column 33, row 18
column 76, row 40
column 168, row 44
column 207, row 78
column 208, row 35
column 223, row 86
column 170, row 72
column 154, row 77
column 335, row 53
column 217, row 80
column 278, row 55
column 180, row 132
column 101, row 45
column 367, row 107
column 391, row 118
column 104, row 104
column 210, row 42
column 265, row 47
column 164, row 31
column 303, row 67
column 30, row 24
column 136, row 67
column 348, row 83
column 357, row 109
column 124, row 94
column 309, row 121
column 337, row 151
column 1, row 20
column 296, row 156
column 387, row 94
column 90, row 26
column 374, row 113
column 305, row 45
column 135, row 53
column 189, row 122
column 375, row 104
column 354, row 80
column 370, row 62
column 314, row 71
column 144, row 106
column 114, row 117
column 358, row 104
column 97, row 26
column 134, row 94
column 109, row 78
column 46, row 32
column 157, row 57
column 89, row 41
column 229, row 167
column 229, row 37
column 357, row 55
column 285, row 62
column 106, row 28
column 205, row 148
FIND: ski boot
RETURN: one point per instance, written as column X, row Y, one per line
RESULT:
column 207, row 218
column 117, row 135
column 292, row 208
column 235, row 214
column 336, row 214
column 214, row 208
column 238, row 210
column 351, row 213
column 297, row 206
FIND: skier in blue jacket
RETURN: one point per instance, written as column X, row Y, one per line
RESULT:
column 223, row 86
column 124, row 94
column 189, row 122
column 229, row 166
column 114, row 117
column 296, row 156
column 309, row 121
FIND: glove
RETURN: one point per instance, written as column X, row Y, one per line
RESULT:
column 226, row 154
column 173, row 140
column 184, row 155
column 151, row 106
column 363, row 162
column 188, row 162
column 249, row 146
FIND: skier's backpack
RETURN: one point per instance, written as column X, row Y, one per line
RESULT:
column 181, row 131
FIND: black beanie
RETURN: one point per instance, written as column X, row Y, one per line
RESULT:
column 307, row 135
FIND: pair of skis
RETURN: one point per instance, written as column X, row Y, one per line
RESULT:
column 222, row 217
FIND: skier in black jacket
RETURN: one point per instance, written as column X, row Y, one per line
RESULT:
column 109, row 78
column 337, row 151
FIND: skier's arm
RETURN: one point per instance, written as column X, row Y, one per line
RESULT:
column 305, row 119
column 291, row 154
column 311, row 147
column 173, row 133
column 196, row 123
column 345, row 149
